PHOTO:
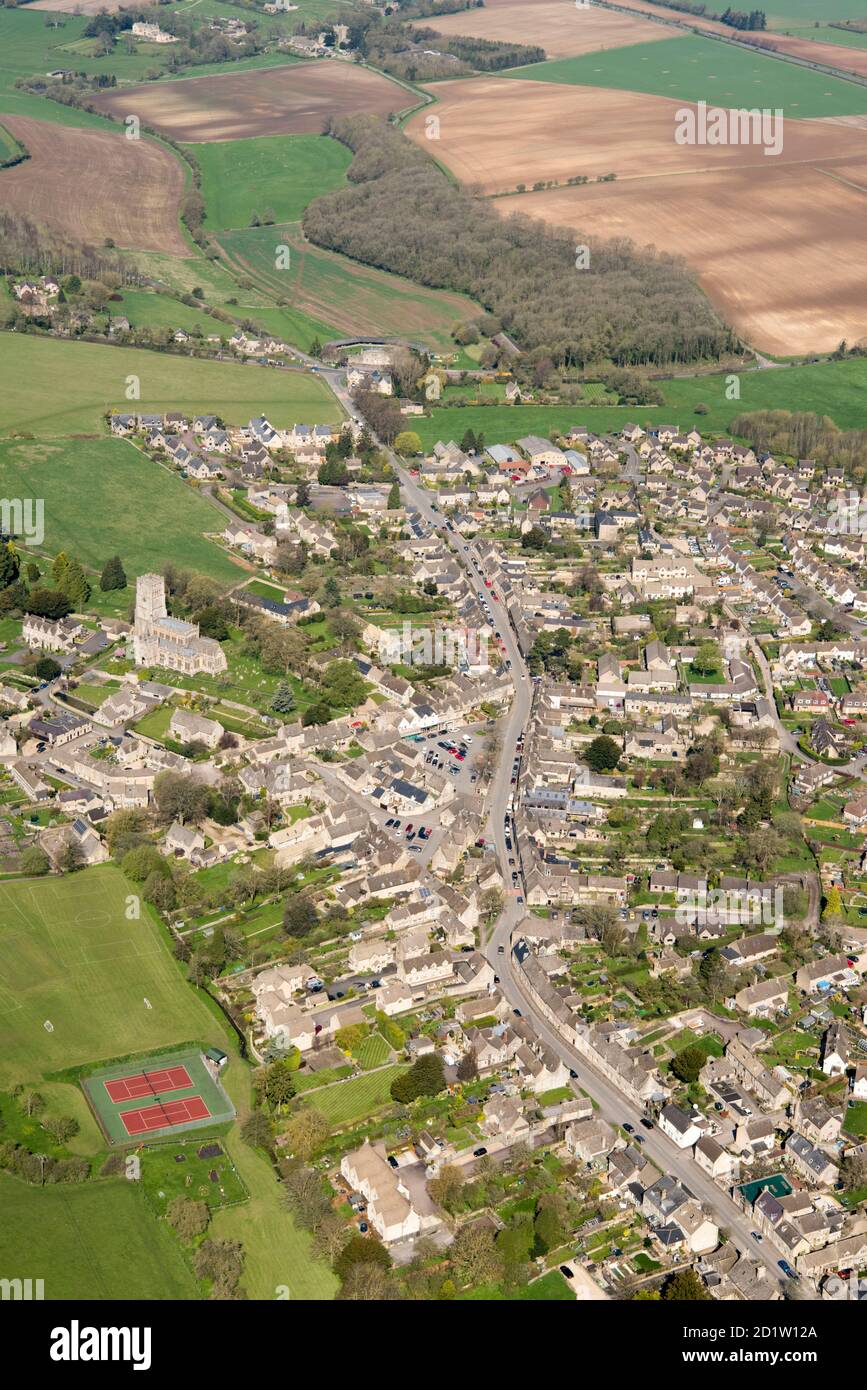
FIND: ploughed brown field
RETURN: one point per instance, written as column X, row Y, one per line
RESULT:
column 88, row 185
column 779, row 249
column 558, row 26
column 496, row 138
column 292, row 100
column 776, row 241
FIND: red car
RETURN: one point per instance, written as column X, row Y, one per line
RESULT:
column 409, row 828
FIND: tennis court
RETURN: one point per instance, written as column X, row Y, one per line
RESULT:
column 170, row 1114
column 152, row 1096
column 148, row 1083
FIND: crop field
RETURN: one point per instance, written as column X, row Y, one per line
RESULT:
column 107, row 986
column 781, row 14
column 764, row 235
column 10, row 148
column 556, row 133
column 693, row 68
column 98, row 1240
column 335, row 290
column 767, row 223
column 55, row 388
column 280, row 173
column 90, row 185
column 87, row 486
column 558, row 26
column 295, row 99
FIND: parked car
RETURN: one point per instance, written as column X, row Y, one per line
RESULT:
column 478, row 1153
column 566, row 1272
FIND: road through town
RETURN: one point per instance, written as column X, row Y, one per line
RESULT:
column 611, row 1104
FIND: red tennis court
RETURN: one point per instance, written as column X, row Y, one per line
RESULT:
column 148, row 1083
column 173, row 1112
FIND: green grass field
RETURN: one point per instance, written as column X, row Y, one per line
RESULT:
column 785, row 13
column 699, row 69
column 282, row 173
column 103, row 497
column 11, row 149
column 53, row 388
column 70, row 957
column 175, row 1170
column 93, row 1242
column 147, row 310
column 361, row 1095
column 828, row 388
column 332, row 290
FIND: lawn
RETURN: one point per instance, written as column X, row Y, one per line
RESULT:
column 96, row 1241
column 277, row 174
column 358, row 1097
column 104, row 497
column 107, row 985
column 703, row 69
column 855, row 1119
column 551, row 1288
column 88, row 379
column 828, row 388
column 373, row 1052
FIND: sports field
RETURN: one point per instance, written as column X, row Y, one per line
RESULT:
column 153, row 1096
column 94, row 493
column 699, row 69
column 98, row 1240
column 277, row 173
column 53, row 388
column 80, row 981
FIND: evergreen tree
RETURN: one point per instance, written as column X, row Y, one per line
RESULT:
column 113, row 575
column 283, row 701
column 74, row 585
column 10, row 565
